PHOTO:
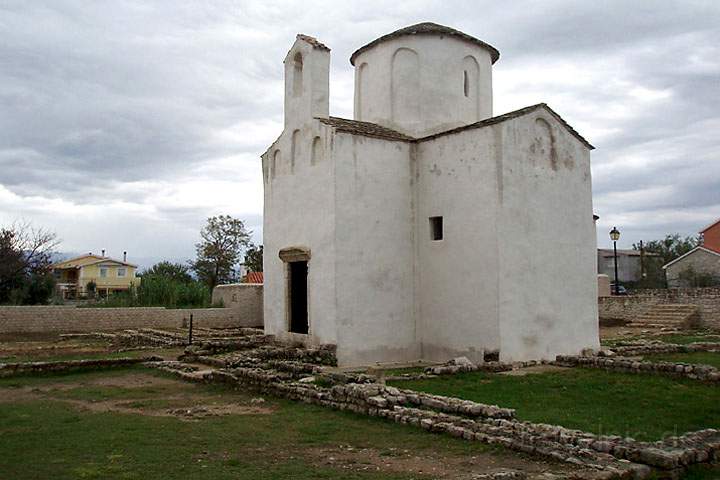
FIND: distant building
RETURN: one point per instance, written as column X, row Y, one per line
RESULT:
column 711, row 236
column 108, row 275
column 629, row 264
column 701, row 260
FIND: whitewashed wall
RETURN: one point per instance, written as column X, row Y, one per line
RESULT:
column 374, row 246
column 299, row 200
column 458, row 284
column 547, row 276
column 515, row 270
column 299, row 210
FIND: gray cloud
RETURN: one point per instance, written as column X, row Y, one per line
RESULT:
column 147, row 117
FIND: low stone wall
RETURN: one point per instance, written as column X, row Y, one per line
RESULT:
column 68, row 319
column 705, row 373
column 244, row 298
column 632, row 348
column 622, row 309
column 29, row 368
column 606, row 457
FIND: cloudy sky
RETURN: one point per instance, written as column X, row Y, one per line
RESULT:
column 124, row 124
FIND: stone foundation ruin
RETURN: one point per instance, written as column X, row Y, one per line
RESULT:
column 249, row 359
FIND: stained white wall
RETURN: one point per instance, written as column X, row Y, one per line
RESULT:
column 299, row 198
column 457, row 276
column 515, row 270
column 307, row 89
column 299, row 210
column 416, row 84
column 547, row 278
column 374, row 267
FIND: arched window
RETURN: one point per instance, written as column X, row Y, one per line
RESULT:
column 405, row 86
column 361, row 88
column 275, row 163
column 317, row 151
column 294, row 149
column 297, row 74
column 471, row 89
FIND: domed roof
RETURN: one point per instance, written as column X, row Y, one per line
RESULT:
column 428, row 28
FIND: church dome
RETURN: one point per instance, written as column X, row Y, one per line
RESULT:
column 424, row 79
column 428, row 28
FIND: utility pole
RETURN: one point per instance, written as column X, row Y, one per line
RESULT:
column 615, row 236
column 642, row 262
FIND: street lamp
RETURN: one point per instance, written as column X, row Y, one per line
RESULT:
column 615, row 236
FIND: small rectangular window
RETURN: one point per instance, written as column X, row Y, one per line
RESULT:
column 121, row 272
column 436, row 228
column 103, row 272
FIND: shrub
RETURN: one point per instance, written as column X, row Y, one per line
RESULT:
column 161, row 291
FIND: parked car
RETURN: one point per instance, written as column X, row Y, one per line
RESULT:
column 620, row 290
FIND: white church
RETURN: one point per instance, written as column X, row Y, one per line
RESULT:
column 426, row 228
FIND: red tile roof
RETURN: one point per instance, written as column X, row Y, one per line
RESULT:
column 254, row 277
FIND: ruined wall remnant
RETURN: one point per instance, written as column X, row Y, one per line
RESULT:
column 244, row 299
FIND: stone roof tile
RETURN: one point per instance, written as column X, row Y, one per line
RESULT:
column 428, row 28
column 508, row 116
column 313, row 41
column 368, row 129
column 365, row 129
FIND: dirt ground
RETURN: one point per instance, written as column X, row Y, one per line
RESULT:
column 401, row 460
column 613, row 333
column 22, row 348
column 521, row 372
column 178, row 399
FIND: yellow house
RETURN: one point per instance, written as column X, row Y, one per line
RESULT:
column 108, row 275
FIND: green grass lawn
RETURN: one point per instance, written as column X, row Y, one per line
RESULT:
column 685, row 338
column 46, row 437
column 705, row 358
column 645, row 407
column 702, row 472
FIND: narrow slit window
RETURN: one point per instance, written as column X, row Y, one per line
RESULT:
column 316, row 151
column 436, row 228
column 297, row 75
column 466, row 84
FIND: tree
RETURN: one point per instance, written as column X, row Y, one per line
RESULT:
column 254, row 258
column 223, row 240
column 671, row 247
column 25, row 259
column 173, row 271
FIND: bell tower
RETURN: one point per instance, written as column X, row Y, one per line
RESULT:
column 307, row 81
